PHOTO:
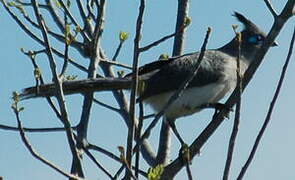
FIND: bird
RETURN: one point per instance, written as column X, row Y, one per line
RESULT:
column 215, row 78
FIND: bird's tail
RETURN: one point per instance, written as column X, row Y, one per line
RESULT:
column 77, row 86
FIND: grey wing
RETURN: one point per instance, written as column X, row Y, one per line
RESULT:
column 170, row 77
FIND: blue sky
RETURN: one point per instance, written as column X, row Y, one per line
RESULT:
column 274, row 158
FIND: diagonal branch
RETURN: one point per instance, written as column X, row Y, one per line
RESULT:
column 36, row 38
column 59, row 94
column 270, row 8
column 270, row 110
column 34, row 153
column 235, row 129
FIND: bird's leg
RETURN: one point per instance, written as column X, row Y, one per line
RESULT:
column 184, row 152
column 173, row 127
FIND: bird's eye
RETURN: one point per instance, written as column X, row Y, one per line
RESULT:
column 256, row 39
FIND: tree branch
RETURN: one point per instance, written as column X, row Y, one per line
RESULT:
column 234, row 133
column 32, row 150
column 270, row 110
column 59, row 93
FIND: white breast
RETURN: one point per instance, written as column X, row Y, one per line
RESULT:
column 197, row 96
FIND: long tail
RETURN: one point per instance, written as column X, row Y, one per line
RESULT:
column 77, row 86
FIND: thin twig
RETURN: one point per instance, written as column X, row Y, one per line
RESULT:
column 106, row 105
column 99, row 26
column 40, row 78
column 153, row 44
column 53, row 129
column 87, row 23
column 75, row 22
column 115, row 63
column 270, row 8
column 89, row 7
column 92, row 71
column 34, row 153
column 105, row 152
column 132, row 115
column 54, row 14
column 117, row 51
column 188, row 171
column 138, row 133
column 118, row 172
column 60, row 96
column 66, row 43
column 234, row 133
column 270, row 110
column 97, row 163
column 36, row 38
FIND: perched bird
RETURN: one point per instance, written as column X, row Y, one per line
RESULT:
column 215, row 78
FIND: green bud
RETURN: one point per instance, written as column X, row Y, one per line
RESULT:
column 123, row 36
column 187, row 21
column 58, row 5
column 155, row 172
column 164, row 57
column 15, row 97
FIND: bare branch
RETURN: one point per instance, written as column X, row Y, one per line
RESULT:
column 270, row 8
column 34, row 153
column 164, row 146
column 36, row 38
column 54, row 129
column 59, row 94
column 270, row 110
column 92, row 72
column 115, row 63
column 132, row 115
column 67, row 11
column 99, row 27
column 87, row 23
column 147, row 47
column 55, row 16
column 234, row 133
column 97, row 163
column 137, row 136
column 179, row 38
column 106, row 105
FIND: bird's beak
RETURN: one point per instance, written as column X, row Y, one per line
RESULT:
column 274, row 44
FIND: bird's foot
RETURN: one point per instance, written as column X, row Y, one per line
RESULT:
column 222, row 107
column 185, row 154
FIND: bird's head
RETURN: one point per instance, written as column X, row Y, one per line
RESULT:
column 252, row 36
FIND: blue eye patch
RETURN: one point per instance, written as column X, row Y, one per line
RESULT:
column 255, row 39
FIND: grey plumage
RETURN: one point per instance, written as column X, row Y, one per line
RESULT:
column 214, row 79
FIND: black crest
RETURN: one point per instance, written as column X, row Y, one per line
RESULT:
column 250, row 26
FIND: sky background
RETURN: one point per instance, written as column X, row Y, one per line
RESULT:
column 275, row 156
